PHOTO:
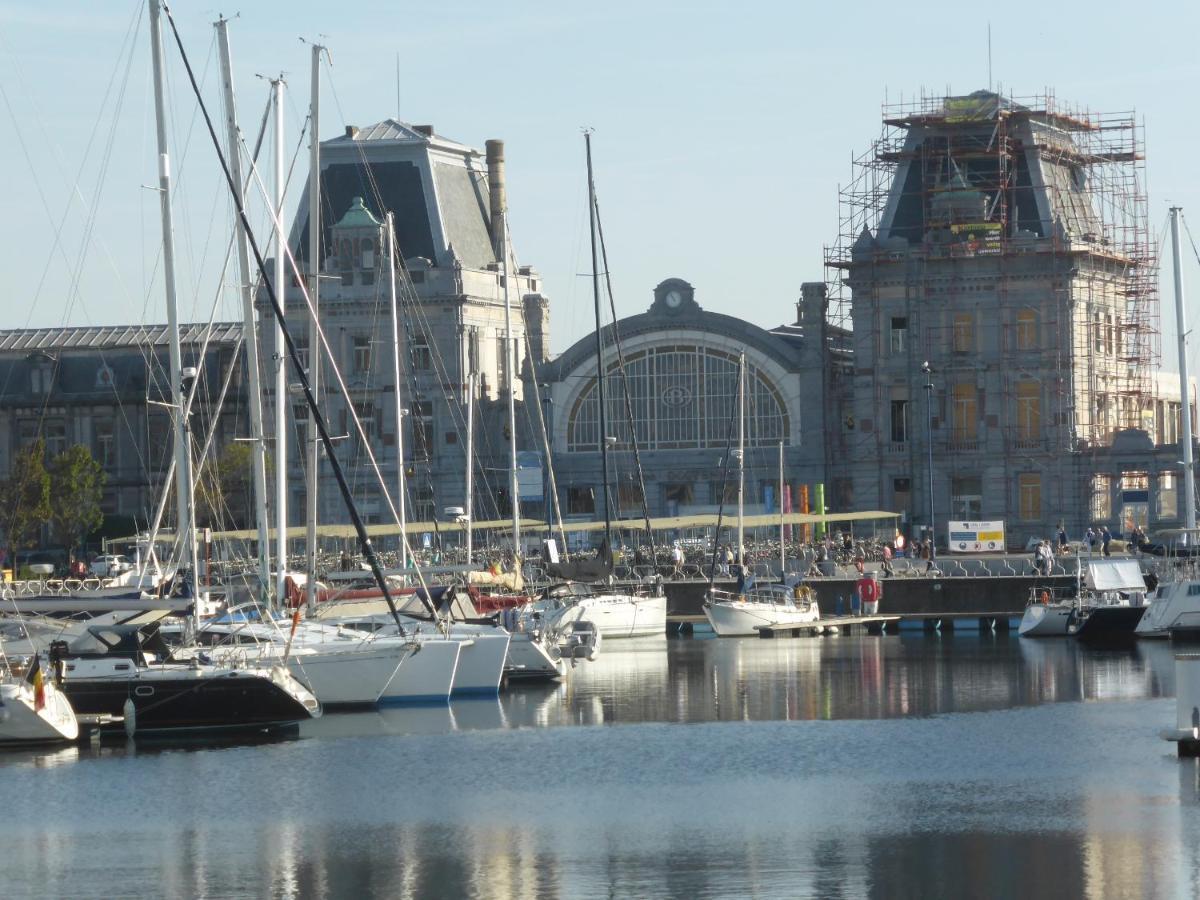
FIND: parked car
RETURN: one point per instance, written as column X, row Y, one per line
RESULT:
column 110, row 565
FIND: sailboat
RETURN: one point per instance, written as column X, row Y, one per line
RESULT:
column 32, row 708
column 744, row 611
column 615, row 613
column 117, row 671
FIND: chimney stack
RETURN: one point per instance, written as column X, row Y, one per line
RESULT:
column 497, row 202
column 352, row 131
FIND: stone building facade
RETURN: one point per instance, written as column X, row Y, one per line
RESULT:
column 108, row 388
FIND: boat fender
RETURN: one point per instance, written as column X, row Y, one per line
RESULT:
column 129, row 711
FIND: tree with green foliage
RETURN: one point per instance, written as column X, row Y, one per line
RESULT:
column 224, row 489
column 25, row 497
column 76, row 489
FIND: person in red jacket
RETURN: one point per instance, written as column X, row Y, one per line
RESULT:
column 871, row 591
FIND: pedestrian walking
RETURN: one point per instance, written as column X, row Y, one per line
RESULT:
column 887, row 560
column 1062, row 538
column 1105, row 540
column 677, row 561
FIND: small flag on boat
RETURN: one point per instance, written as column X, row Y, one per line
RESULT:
column 34, row 677
column 295, row 623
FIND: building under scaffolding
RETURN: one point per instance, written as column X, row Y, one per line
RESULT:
column 1006, row 242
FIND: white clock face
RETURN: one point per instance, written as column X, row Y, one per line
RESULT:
column 674, row 298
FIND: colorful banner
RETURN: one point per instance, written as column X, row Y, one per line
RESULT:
column 976, row 537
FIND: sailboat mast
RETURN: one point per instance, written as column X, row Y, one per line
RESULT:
column 587, row 138
column 741, row 458
column 470, row 503
column 510, row 362
column 314, row 328
column 185, row 509
column 253, row 372
column 1185, row 405
column 280, row 361
column 400, row 485
column 782, row 544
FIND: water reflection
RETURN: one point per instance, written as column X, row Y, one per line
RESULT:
column 806, row 768
column 837, row 678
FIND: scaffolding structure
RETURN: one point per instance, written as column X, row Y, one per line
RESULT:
column 1099, row 222
column 1006, row 239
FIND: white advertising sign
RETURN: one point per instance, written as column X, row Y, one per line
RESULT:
column 976, row 537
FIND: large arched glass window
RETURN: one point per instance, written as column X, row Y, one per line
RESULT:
column 683, row 397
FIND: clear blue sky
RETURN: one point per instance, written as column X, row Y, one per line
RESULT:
column 722, row 131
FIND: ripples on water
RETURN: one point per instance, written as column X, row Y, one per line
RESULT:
column 913, row 766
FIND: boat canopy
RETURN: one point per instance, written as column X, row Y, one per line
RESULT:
column 1115, row 575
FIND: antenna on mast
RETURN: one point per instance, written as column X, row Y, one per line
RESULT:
column 989, row 55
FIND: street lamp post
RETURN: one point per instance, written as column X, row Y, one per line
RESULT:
column 929, row 446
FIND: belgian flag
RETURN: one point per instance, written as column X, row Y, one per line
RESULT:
column 34, row 677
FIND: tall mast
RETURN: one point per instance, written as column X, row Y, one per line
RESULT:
column 587, row 138
column 402, row 489
column 185, row 510
column 782, row 544
column 280, row 361
column 314, row 328
column 254, row 398
column 1185, row 405
column 470, row 504
column 741, row 458
column 509, row 366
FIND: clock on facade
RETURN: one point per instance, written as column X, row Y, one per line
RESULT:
column 673, row 299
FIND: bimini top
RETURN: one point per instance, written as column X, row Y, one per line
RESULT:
column 1115, row 575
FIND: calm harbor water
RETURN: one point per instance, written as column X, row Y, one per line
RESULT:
column 909, row 766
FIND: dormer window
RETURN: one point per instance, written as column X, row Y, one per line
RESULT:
column 368, row 253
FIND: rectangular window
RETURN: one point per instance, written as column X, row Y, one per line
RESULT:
column 629, row 497
column 473, row 350
column 964, row 332
column 901, row 494
column 422, row 429
column 362, row 354
column 966, row 497
column 502, row 362
column 899, row 334
column 103, row 442
column 729, row 498
column 1029, row 411
column 1029, row 501
column 1101, row 498
column 1026, row 329
column 899, row 421
column 1167, row 497
column 581, row 501
column 964, row 414
column 365, row 411
column 423, row 503
column 56, row 437
column 422, row 358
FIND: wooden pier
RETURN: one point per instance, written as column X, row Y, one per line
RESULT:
column 685, row 623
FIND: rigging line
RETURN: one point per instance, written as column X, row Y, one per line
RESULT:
column 616, row 335
column 277, row 307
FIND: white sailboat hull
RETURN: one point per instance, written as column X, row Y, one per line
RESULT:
column 426, row 676
column 1045, row 620
column 348, row 677
column 20, row 723
column 1176, row 608
column 626, row 615
column 528, row 659
column 480, row 664
column 743, row 618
